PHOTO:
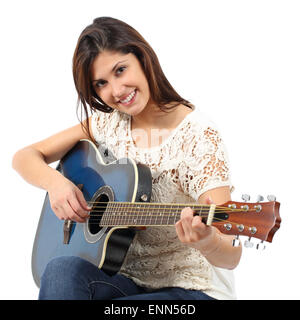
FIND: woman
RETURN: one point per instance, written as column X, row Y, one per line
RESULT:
column 132, row 109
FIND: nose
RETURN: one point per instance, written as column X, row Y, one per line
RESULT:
column 118, row 90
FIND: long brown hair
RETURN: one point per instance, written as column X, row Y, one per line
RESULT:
column 106, row 33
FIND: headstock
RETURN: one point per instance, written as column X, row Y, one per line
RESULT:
column 255, row 220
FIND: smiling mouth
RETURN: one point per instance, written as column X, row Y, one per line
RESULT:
column 130, row 98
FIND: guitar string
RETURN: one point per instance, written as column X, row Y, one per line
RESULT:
column 150, row 206
column 219, row 220
column 171, row 210
column 155, row 204
column 163, row 215
column 147, row 216
column 143, row 225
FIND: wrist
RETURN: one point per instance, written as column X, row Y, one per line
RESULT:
column 211, row 245
column 52, row 179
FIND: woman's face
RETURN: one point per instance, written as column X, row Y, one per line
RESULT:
column 120, row 82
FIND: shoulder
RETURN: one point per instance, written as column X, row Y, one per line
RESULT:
column 201, row 119
column 199, row 124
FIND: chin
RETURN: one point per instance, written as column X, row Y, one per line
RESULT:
column 134, row 111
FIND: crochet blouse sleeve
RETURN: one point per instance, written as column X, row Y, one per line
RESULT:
column 205, row 163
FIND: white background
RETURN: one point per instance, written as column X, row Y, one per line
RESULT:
column 238, row 61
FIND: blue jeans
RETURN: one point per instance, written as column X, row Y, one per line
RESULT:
column 72, row 278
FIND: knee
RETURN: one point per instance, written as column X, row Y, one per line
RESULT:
column 60, row 267
column 59, row 277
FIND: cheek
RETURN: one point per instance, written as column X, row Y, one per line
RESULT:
column 144, row 87
column 104, row 95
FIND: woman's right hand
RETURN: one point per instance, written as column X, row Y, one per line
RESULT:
column 67, row 200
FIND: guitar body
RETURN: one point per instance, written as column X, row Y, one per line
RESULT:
column 117, row 181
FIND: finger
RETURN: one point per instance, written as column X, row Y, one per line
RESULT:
column 197, row 223
column 59, row 212
column 186, row 220
column 82, row 200
column 71, row 214
column 179, row 230
column 76, row 207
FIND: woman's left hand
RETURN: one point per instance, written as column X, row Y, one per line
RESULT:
column 192, row 231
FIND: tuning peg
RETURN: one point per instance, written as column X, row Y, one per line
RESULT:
column 248, row 243
column 236, row 241
column 245, row 197
column 261, row 246
column 271, row 197
column 260, row 198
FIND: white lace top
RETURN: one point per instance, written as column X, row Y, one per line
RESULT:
column 189, row 162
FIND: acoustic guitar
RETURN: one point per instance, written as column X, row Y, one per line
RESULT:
column 119, row 191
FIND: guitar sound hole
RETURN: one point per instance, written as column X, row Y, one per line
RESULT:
column 96, row 213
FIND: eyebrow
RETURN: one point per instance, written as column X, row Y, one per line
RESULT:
column 112, row 70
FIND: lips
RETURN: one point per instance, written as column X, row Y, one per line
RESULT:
column 129, row 98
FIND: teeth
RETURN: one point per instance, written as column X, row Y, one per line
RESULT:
column 128, row 98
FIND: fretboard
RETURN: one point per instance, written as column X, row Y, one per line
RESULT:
column 147, row 214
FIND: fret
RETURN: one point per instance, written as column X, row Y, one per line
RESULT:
column 168, row 211
column 133, row 215
column 164, row 213
column 119, row 214
column 114, row 214
column 138, row 214
column 108, row 215
column 126, row 216
column 150, row 214
column 168, row 216
column 155, row 208
column 142, row 213
column 145, row 214
column 105, row 215
column 109, row 220
column 127, row 219
column 156, row 216
column 161, row 215
column 124, row 220
column 201, row 211
column 177, row 214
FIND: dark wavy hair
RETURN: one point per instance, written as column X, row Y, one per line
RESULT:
column 106, row 33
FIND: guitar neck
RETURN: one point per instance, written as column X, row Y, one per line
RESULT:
column 147, row 214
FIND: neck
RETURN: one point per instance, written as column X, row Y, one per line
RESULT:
column 150, row 117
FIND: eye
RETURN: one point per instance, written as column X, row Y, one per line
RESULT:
column 121, row 69
column 100, row 83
